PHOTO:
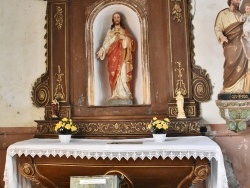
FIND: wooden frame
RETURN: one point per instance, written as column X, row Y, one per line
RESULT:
column 166, row 38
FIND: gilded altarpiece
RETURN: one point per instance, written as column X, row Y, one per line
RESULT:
column 166, row 59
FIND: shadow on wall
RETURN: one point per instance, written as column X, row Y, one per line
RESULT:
column 232, row 180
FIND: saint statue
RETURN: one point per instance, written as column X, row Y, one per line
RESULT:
column 55, row 109
column 180, row 105
column 118, row 48
column 229, row 32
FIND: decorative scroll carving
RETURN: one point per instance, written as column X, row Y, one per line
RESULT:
column 114, row 128
column 45, row 128
column 189, row 111
column 40, row 92
column 185, row 126
column 65, row 111
column 177, row 11
column 27, row 168
column 120, row 128
column 201, row 172
column 28, row 171
column 58, row 17
column 202, row 89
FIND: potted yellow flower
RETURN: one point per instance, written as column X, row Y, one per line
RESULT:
column 65, row 129
column 158, row 128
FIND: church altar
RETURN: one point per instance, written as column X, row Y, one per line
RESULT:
column 25, row 157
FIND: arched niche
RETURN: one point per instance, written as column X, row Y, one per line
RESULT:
column 98, row 23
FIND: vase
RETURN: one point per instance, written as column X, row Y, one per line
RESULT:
column 64, row 138
column 159, row 137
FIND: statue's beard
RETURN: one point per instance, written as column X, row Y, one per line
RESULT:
column 236, row 6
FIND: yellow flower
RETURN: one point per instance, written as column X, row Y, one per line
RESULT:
column 68, row 126
column 65, row 119
column 159, row 126
column 166, row 119
column 73, row 128
column 65, row 126
column 57, row 126
column 165, row 126
column 157, row 121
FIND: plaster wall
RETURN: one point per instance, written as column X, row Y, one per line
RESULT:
column 22, row 59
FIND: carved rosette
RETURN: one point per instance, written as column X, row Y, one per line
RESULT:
column 202, row 88
column 40, row 92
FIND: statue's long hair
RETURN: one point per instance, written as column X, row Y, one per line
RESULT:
column 229, row 2
column 121, row 21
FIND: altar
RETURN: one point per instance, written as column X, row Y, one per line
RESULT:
column 176, row 162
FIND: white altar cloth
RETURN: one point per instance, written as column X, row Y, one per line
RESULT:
column 195, row 146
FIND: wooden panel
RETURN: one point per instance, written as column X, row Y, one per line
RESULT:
column 157, row 173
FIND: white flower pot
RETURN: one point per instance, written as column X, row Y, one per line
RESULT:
column 64, row 138
column 159, row 137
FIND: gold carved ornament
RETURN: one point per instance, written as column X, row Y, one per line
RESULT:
column 59, row 17
column 59, row 94
column 177, row 11
column 180, row 85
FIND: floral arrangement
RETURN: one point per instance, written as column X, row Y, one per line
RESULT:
column 65, row 126
column 157, row 126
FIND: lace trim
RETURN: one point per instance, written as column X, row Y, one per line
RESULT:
column 118, row 155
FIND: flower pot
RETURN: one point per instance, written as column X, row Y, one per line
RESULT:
column 159, row 137
column 64, row 138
